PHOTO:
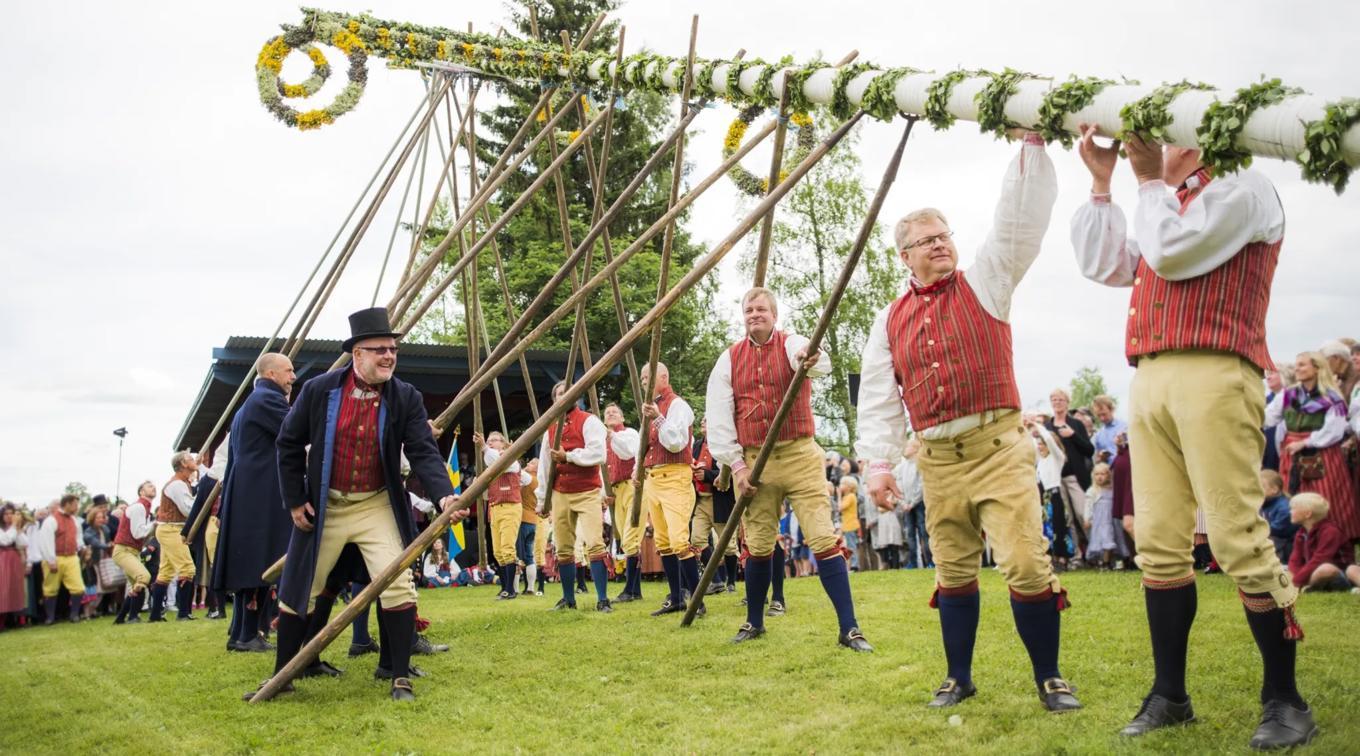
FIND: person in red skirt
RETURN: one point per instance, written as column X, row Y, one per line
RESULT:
column 1314, row 416
column 13, row 545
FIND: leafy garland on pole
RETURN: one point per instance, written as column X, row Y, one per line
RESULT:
column 747, row 182
column 405, row 45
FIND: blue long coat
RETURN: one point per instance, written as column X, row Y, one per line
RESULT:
column 254, row 525
column 303, row 476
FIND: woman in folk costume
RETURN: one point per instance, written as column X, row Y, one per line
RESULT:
column 1314, row 415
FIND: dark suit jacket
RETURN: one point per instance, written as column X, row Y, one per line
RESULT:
column 304, row 476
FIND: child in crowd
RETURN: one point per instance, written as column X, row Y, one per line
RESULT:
column 1102, row 548
column 1276, row 512
column 849, row 508
column 436, row 573
column 1322, row 559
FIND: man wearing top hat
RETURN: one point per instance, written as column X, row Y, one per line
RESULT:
column 358, row 421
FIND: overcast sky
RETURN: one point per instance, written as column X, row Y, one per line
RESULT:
column 150, row 207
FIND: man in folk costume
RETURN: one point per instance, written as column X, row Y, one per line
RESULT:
column 668, row 488
column 621, row 461
column 177, row 499
column 133, row 528
column 503, row 501
column 745, row 389
column 939, row 361
column 1200, row 261
column 203, row 547
column 358, row 421
column 60, row 542
column 711, row 511
column 577, row 499
column 255, row 525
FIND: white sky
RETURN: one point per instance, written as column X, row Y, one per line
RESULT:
column 150, row 207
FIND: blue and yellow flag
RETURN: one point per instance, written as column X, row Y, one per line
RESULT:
column 457, row 541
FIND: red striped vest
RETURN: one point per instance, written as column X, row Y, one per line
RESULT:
column 124, row 535
column 658, row 454
column 1223, row 310
column 569, row 478
column 760, row 376
column 620, row 469
column 704, row 461
column 505, row 488
column 168, row 511
column 66, row 534
column 951, row 358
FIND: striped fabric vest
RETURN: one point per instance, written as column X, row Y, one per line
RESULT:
column 505, row 488
column 168, row 512
column 705, row 461
column 570, row 478
column 951, row 358
column 66, row 534
column 658, row 454
column 620, row 469
column 760, row 376
column 124, row 535
column 1223, row 310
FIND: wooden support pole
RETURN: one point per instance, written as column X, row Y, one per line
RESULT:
column 575, row 391
column 866, row 230
column 668, row 241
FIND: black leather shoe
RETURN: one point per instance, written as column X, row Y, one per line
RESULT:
column 359, row 649
column 287, row 688
column 1058, row 696
column 1283, row 726
column 424, row 647
column 255, row 645
column 732, row 587
column 320, row 668
column 133, row 620
column 668, row 607
column 854, row 640
column 383, row 673
column 402, row 690
column 625, row 597
column 603, row 607
column 562, row 604
column 1157, row 712
column 216, row 614
column 715, row 588
column 746, row 632
column 776, row 609
column 951, row 693
column 182, row 618
column 502, row 596
column 232, row 645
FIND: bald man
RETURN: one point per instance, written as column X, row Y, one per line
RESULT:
column 668, row 493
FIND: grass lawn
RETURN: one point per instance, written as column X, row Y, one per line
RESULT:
column 522, row 679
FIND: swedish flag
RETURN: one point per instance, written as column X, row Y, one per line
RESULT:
column 457, row 541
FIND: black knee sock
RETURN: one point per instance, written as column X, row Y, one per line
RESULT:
column 959, row 610
column 238, row 613
column 566, row 573
column 135, row 605
column 1269, row 628
column 777, row 575
column 758, row 573
column 689, row 574
column 250, row 618
column 184, row 597
column 1170, row 612
column 834, row 572
column 321, row 614
column 1038, row 622
column 671, row 566
column 384, row 646
column 401, row 633
column 158, row 592
column 731, row 564
column 291, row 630
column 631, row 576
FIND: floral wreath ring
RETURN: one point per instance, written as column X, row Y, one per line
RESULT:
column 748, row 182
column 273, row 89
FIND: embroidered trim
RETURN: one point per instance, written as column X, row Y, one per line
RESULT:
column 1257, row 603
column 1168, row 585
column 1032, row 598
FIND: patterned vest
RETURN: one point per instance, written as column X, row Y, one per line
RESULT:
column 168, row 512
column 620, row 469
column 704, row 461
column 951, row 358
column 504, row 489
column 124, row 535
column 760, row 376
column 1223, row 310
column 569, row 478
column 66, row 534
column 658, row 454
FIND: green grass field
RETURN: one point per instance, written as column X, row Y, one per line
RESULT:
column 521, row 679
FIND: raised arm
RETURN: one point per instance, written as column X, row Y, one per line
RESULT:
column 1028, row 191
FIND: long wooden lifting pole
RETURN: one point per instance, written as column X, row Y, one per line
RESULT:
column 866, row 231
column 478, row 487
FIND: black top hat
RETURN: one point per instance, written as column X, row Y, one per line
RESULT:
column 368, row 324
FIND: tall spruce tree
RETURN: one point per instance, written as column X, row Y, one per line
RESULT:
column 531, row 243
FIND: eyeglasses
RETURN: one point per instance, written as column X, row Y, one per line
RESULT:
column 929, row 241
column 380, row 350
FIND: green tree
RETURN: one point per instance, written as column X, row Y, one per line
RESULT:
column 77, row 488
column 814, row 230
column 531, row 243
column 1086, row 385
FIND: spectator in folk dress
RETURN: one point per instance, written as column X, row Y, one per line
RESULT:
column 13, row 548
column 1275, row 383
column 1276, row 512
column 1322, row 559
column 1339, row 360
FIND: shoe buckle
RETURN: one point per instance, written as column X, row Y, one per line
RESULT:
column 1057, row 685
column 948, row 686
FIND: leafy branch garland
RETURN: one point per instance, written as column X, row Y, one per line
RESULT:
column 794, row 81
column 273, row 90
column 1063, row 100
column 991, row 101
column 1223, row 123
column 1322, row 157
column 840, row 101
column 880, row 98
column 747, row 182
column 1149, row 115
column 937, row 98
